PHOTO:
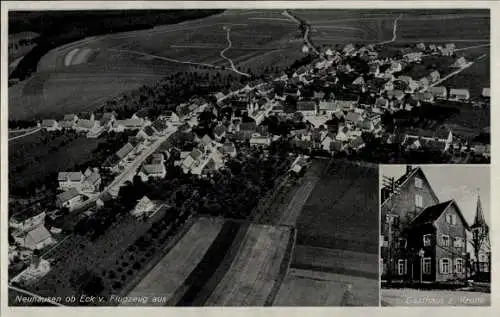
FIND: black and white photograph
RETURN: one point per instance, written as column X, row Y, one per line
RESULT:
column 435, row 241
column 229, row 157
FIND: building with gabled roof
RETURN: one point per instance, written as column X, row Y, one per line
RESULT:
column 70, row 199
column 35, row 239
column 422, row 238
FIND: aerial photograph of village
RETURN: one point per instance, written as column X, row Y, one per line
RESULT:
column 230, row 157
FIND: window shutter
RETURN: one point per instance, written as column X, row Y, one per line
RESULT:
column 441, row 266
column 406, row 267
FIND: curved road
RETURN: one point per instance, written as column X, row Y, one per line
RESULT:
column 230, row 44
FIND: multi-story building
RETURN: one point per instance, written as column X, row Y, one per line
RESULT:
column 422, row 239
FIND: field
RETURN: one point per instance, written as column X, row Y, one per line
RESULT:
column 414, row 297
column 342, row 210
column 39, row 155
column 312, row 288
column 179, row 262
column 220, row 263
column 81, row 75
column 375, row 26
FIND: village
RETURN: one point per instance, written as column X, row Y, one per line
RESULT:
column 333, row 107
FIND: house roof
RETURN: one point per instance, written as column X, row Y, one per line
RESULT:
column 228, row 147
column 93, row 178
column 124, row 151
column 353, row 116
column 39, row 234
column 456, row 91
column 67, row 195
column 85, row 115
column 84, row 123
column 335, row 145
column 72, row 176
column 143, row 202
column 305, row 105
column 69, row 117
column 130, row 122
column 219, row 130
column 47, row 123
column 195, row 154
column 153, row 168
column 437, row 90
column 432, row 213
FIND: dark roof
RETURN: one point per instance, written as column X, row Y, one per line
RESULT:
column 430, row 214
column 149, row 131
column 159, row 125
column 239, row 104
column 305, row 105
column 85, row 115
column 124, row 151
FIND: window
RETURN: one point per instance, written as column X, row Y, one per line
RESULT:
column 427, row 266
column 453, row 219
column 382, row 241
column 448, row 218
column 459, row 265
column 402, row 243
column 445, row 240
column 418, row 201
column 401, row 267
column 444, row 266
column 418, row 182
column 458, row 242
column 427, row 240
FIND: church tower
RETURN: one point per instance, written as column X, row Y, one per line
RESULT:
column 481, row 241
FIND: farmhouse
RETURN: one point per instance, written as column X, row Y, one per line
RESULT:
column 68, row 180
column 396, row 94
column 146, row 133
column 27, row 219
column 69, row 199
column 396, row 67
column 50, row 125
column 260, row 140
column 128, row 124
column 356, row 143
column 413, row 57
column 35, row 239
column 459, row 94
column 433, row 140
column 92, row 181
column 307, row 108
column 424, row 96
column 229, row 149
column 438, row 92
column 298, row 165
column 152, row 171
column 106, row 119
column 144, row 207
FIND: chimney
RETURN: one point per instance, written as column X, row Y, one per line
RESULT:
column 408, row 169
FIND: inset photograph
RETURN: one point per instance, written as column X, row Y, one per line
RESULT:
column 435, row 243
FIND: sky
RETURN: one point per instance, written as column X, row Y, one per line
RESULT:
column 459, row 182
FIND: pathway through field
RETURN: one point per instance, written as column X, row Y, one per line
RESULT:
column 25, row 134
column 230, row 44
column 394, row 31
